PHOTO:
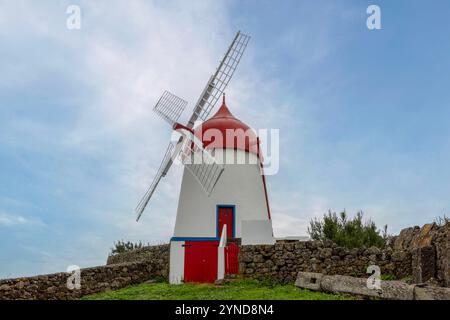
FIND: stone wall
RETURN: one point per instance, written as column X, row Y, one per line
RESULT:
column 158, row 256
column 420, row 253
column 282, row 262
column 96, row 279
column 423, row 253
column 430, row 249
column 124, row 269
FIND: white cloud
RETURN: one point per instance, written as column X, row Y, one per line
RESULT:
column 126, row 54
column 13, row 220
column 293, row 211
column 168, row 50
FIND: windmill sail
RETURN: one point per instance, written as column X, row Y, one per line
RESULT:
column 220, row 79
column 201, row 164
column 218, row 82
column 170, row 107
column 161, row 173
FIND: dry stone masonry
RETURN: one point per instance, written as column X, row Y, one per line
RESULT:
column 157, row 255
column 430, row 250
column 420, row 254
column 96, row 279
column 282, row 261
column 122, row 270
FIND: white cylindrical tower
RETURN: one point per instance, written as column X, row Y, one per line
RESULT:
column 239, row 201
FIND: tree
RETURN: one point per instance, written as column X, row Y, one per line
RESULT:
column 350, row 233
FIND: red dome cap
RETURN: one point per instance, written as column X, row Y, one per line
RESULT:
column 224, row 131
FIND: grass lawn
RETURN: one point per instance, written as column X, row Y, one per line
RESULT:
column 236, row 290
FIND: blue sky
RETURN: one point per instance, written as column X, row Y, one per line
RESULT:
column 363, row 115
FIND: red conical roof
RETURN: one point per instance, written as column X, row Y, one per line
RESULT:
column 225, row 131
column 223, row 111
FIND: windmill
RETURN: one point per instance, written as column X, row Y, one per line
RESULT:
column 220, row 204
column 170, row 107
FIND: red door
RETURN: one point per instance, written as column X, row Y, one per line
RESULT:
column 200, row 261
column 226, row 216
column 231, row 259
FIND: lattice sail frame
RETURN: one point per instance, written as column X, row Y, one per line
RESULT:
column 220, row 79
column 201, row 164
column 170, row 107
column 168, row 155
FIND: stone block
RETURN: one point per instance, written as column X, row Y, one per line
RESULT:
column 431, row 293
column 258, row 258
column 392, row 290
column 396, row 290
column 309, row 280
column 423, row 264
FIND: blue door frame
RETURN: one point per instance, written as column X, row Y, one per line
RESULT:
column 217, row 218
column 216, row 238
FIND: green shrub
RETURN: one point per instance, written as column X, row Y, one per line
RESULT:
column 388, row 277
column 122, row 246
column 350, row 233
